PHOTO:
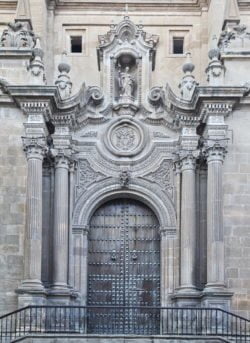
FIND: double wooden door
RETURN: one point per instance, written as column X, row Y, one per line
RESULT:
column 123, row 269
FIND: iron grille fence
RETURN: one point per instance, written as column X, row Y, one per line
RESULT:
column 124, row 320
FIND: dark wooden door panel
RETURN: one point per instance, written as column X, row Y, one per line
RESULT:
column 123, row 266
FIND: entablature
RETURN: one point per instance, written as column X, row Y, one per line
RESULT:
column 90, row 107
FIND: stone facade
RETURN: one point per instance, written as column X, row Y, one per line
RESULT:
column 77, row 131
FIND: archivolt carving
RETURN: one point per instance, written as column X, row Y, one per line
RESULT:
column 142, row 190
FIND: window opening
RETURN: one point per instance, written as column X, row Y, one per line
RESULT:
column 178, row 45
column 76, row 44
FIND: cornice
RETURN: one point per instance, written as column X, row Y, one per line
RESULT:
column 77, row 110
column 180, row 5
column 8, row 5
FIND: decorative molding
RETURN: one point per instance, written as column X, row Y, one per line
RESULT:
column 216, row 108
column 142, row 190
column 36, row 108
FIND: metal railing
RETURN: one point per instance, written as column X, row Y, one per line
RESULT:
column 114, row 320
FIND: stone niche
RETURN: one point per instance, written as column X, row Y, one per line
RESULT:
column 126, row 57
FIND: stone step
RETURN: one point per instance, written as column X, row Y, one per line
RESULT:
column 56, row 338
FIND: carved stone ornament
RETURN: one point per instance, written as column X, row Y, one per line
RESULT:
column 87, row 176
column 125, row 138
column 35, row 147
column 124, row 178
column 17, row 35
column 237, row 37
column 162, row 176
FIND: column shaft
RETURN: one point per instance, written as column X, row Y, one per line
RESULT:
column 215, row 239
column 33, row 236
column 188, row 225
column 61, row 223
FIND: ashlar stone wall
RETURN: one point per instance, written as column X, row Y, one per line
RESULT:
column 12, row 205
column 237, row 210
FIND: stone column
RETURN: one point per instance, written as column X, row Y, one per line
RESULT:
column 35, row 150
column 61, row 224
column 167, row 265
column 188, row 225
column 215, row 235
column 72, row 169
column 80, row 262
column 215, row 141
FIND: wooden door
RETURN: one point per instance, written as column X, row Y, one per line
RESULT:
column 124, row 268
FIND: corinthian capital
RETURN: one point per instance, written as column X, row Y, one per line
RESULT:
column 63, row 158
column 215, row 150
column 187, row 159
column 35, row 147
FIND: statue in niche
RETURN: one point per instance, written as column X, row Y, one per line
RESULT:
column 126, row 84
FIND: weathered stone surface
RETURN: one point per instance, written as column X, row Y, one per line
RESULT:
column 122, row 136
column 12, row 209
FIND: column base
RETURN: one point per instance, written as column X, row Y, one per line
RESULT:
column 215, row 295
column 31, row 286
column 187, row 297
column 61, row 294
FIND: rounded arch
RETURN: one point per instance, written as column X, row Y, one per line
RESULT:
column 106, row 190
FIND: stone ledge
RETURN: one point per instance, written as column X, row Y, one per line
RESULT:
column 74, row 338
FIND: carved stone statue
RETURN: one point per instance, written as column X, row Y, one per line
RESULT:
column 126, row 84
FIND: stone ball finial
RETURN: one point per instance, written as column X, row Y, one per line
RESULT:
column 64, row 67
column 188, row 66
column 214, row 53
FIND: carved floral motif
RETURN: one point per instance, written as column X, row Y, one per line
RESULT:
column 162, row 176
column 87, row 176
column 17, row 35
column 238, row 37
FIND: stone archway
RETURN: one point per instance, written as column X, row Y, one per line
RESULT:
column 159, row 203
column 123, row 268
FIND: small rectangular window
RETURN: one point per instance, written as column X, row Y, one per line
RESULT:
column 76, row 44
column 178, row 45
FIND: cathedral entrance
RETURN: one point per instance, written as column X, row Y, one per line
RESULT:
column 124, row 269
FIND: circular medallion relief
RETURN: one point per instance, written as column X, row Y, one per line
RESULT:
column 125, row 138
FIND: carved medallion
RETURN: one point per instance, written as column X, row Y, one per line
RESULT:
column 125, row 138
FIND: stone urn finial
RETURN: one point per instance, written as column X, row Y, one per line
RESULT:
column 188, row 83
column 37, row 65
column 215, row 69
column 63, row 80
